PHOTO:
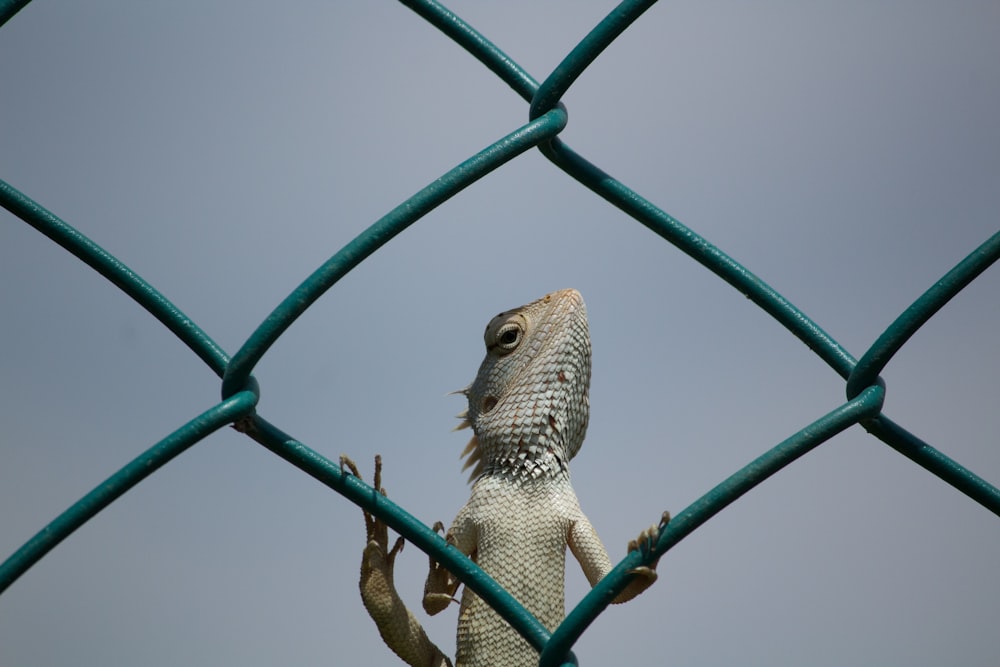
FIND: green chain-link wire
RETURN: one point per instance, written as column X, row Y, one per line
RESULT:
column 547, row 118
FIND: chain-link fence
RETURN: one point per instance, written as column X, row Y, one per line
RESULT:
column 865, row 392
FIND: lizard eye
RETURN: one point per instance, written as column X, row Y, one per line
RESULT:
column 509, row 336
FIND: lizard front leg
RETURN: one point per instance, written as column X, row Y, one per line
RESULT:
column 589, row 550
column 398, row 627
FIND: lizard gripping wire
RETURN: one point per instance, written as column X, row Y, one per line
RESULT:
column 547, row 117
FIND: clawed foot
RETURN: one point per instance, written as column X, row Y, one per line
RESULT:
column 645, row 575
column 440, row 587
column 647, row 540
column 377, row 555
column 398, row 627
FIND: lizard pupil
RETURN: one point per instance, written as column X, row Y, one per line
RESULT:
column 509, row 337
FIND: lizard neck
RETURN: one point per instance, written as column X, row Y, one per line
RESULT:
column 526, row 460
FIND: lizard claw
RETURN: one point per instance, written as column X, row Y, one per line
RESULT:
column 650, row 536
column 377, row 555
column 647, row 539
column 440, row 587
column 644, row 575
column 377, row 480
column 396, row 624
column 345, row 460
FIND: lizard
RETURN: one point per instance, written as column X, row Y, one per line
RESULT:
column 529, row 408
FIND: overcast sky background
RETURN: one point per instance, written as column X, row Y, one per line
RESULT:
column 847, row 153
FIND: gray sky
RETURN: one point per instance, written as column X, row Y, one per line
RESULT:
column 845, row 152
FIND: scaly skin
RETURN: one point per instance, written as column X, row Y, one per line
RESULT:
column 528, row 409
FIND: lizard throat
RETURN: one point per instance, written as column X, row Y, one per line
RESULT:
column 522, row 459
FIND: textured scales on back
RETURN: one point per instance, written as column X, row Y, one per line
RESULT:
column 528, row 409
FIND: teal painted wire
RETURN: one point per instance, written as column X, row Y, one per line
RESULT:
column 115, row 486
column 365, row 496
column 472, row 41
column 167, row 313
column 572, row 66
column 10, row 7
column 110, row 267
column 118, row 273
column 663, row 224
column 705, row 253
column 930, row 302
column 709, row 256
column 380, row 233
column 686, row 240
column 935, row 462
column 895, row 336
column 736, row 485
column 618, row 194
column 542, row 132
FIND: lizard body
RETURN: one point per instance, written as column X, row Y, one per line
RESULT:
column 529, row 409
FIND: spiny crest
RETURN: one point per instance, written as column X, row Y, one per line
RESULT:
column 472, row 450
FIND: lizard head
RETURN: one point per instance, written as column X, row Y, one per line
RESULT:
column 529, row 405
